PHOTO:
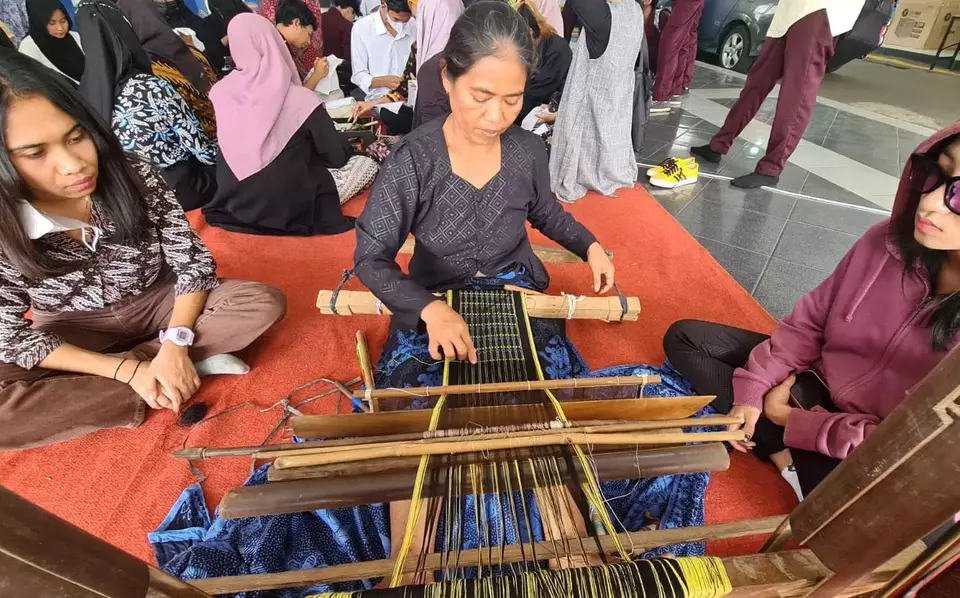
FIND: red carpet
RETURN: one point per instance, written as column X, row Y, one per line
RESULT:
column 119, row 484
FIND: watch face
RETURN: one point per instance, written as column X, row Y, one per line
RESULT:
column 181, row 335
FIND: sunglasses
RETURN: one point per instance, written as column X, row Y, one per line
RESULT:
column 926, row 176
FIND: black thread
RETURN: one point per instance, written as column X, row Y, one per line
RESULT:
column 336, row 292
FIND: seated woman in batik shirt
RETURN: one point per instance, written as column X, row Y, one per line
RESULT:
column 97, row 248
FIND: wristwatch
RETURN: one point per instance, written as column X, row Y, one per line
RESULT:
column 179, row 335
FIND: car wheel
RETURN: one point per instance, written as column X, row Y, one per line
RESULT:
column 734, row 52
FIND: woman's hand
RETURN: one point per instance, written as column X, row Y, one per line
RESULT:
column 175, row 374
column 602, row 268
column 145, row 385
column 546, row 116
column 321, row 67
column 749, row 416
column 776, row 404
column 361, row 109
column 447, row 331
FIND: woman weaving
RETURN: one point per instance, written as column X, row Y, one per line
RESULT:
column 464, row 185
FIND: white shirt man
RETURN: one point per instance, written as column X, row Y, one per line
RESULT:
column 379, row 49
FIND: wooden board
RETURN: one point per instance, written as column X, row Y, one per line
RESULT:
column 335, row 492
column 893, row 486
column 402, row 422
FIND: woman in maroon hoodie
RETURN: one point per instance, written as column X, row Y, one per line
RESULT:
column 852, row 348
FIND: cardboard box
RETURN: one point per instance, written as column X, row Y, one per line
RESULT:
column 921, row 24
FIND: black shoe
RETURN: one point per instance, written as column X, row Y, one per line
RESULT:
column 755, row 180
column 704, row 151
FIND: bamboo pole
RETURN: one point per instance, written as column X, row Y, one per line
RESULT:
column 595, row 429
column 352, row 303
column 492, row 387
column 546, row 439
column 547, row 255
column 366, row 371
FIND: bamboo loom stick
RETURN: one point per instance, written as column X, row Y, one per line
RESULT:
column 638, row 541
column 351, row 303
column 199, row 453
column 547, row 439
column 597, row 429
column 491, row 387
column 366, row 371
column 418, row 420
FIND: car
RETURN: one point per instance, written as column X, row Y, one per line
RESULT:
column 733, row 31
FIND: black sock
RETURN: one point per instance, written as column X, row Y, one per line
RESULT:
column 755, row 180
column 704, row 151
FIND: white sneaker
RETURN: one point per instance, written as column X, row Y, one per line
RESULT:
column 660, row 107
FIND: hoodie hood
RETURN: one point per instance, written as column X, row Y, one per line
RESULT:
column 904, row 202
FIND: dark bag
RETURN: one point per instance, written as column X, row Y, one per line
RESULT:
column 865, row 35
column 642, row 94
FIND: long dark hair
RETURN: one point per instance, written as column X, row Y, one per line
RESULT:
column 482, row 29
column 944, row 310
column 119, row 191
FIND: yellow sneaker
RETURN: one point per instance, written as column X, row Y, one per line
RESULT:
column 676, row 175
column 656, row 169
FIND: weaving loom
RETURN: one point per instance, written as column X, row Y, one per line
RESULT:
column 858, row 529
column 499, row 456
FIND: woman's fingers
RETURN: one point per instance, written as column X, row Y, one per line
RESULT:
column 449, row 350
column 597, row 278
column 435, row 349
column 607, row 281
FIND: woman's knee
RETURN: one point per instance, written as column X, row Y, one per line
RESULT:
column 677, row 338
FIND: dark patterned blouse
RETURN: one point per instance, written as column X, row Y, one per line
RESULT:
column 103, row 277
column 461, row 232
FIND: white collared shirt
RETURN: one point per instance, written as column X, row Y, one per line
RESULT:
column 376, row 53
column 37, row 224
column 841, row 13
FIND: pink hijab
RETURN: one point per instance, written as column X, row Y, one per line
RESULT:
column 435, row 18
column 550, row 9
column 261, row 104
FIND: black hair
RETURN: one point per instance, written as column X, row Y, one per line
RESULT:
column 119, row 190
column 397, row 5
column 290, row 10
column 944, row 310
column 530, row 18
column 481, row 31
column 354, row 4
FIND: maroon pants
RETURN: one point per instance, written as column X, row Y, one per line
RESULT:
column 799, row 59
column 678, row 49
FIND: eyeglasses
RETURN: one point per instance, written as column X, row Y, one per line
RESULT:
column 926, row 176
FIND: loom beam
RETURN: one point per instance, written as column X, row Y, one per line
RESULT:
column 418, row 420
column 348, row 491
column 607, row 309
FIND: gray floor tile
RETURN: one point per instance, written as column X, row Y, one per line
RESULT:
column 745, row 266
column 823, row 189
column 881, row 153
column 705, row 127
column 813, row 246
column 673, row 200
column 791, row 179
column 693, row 138
column 731, row 225
column 857, row 129
column 838, row 218
column 758, row 200
column 908, row 143
column 663, row 132
column 783, row 283
column 678, row 118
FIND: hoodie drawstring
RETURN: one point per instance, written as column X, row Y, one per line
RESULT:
column 866, row 289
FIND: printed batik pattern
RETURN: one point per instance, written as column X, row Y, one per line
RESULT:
column 153, row 121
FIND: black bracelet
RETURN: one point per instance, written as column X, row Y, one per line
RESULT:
column 134, row 374
column 117, row 371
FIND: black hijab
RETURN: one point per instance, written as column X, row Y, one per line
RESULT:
column 161, row 42
column 64, row 53
column 176, row 14
column 5, row 41
column 114, row 54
